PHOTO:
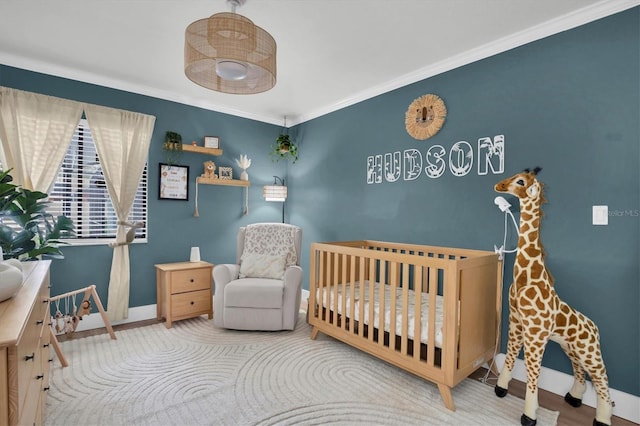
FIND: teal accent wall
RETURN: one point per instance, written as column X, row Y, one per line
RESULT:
column 173, row 229
column 568, row 103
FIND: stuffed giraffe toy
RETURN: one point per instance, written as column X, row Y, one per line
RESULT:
column 537, row 315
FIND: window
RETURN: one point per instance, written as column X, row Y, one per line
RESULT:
column 80, row 193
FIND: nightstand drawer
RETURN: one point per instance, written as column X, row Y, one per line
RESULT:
column 187, row 305
column 190, row 280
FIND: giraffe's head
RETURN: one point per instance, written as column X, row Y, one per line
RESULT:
column 523, row 185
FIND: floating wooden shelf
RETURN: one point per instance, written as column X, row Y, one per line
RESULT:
column 202, row 150
column 227, row 182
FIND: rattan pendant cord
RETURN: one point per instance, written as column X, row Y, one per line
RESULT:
column 228, row 53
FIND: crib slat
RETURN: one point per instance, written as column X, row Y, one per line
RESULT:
column 321, row 285
column 431, row 332
column 393, row 303
column 418, row 288
column 381, row 302
column 335, row 281
column 404, row 340
column 341, row 286
column 313, row 284
column 361, row 306
column 352, row 292
column 371, row 280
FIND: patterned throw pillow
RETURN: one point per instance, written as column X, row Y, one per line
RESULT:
column 254, row 265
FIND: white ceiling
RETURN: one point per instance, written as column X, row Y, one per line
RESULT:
column 331, row 53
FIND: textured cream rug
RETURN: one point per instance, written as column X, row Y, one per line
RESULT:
column 195, row 374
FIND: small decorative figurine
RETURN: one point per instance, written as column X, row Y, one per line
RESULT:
column 209, row 170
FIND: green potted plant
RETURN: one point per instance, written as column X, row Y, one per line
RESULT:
column 172, row 147
column 27, row 231
column 284, row 148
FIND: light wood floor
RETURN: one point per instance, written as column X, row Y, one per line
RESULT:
column 569, row 416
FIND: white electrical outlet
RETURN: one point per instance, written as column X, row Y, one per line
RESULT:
column 600, row 215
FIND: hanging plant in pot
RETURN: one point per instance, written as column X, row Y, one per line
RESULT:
column 172, row 147
column 284, row 148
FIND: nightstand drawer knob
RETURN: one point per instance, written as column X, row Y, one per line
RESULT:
column 192, row 302
column 192, row 280
column 40, row 376
column 39, row 322
column 30, row 357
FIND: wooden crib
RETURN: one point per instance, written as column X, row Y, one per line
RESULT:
column 376, row 296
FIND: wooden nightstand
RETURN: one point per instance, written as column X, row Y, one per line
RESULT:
column 184, row 290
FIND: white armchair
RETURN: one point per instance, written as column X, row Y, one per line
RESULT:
column 262, row 290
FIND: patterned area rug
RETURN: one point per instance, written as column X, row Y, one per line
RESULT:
column 195, row 374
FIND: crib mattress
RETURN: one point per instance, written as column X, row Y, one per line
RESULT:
column 328, row 303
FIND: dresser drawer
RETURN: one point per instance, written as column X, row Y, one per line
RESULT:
column 30, row 407
column 28, row 357
column 190, row 280
column 46, row 357
column 24, row 321
column 187, row 305
column 42, row 302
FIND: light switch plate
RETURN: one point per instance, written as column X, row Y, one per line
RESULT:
column 600, row 215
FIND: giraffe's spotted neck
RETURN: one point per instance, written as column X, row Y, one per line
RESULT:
column 529, row 232
column 530, row 266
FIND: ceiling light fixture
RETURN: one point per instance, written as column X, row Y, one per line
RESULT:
column 228, row 53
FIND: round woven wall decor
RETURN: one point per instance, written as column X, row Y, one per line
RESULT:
column 425, row 116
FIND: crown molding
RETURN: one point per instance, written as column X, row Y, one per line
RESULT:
column 577, row 18
column 557, row 25
column 111, row 83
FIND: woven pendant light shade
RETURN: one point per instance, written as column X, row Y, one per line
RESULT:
column 228, row 53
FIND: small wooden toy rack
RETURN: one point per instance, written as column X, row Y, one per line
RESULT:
column 89, row 292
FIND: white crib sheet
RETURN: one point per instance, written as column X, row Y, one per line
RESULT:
column 329, row 297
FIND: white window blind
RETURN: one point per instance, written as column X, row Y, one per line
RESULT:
column 80, row 193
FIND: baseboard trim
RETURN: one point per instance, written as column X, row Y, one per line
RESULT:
column 559, row 383
column 550, row 380
column 139, row 313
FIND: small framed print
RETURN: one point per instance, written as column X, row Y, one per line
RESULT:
column 174, row 182
column 211, row 142
column 225, row 173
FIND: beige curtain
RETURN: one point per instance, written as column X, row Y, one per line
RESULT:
column 122, row 140
column 35, row 131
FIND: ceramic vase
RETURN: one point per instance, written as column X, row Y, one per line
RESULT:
column 10, row 278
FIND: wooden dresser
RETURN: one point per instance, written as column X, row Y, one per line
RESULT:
column 24, row 349
column 184, row 290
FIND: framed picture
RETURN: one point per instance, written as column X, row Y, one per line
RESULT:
column 225, row 173
column 211, row 142
column 174, row 182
